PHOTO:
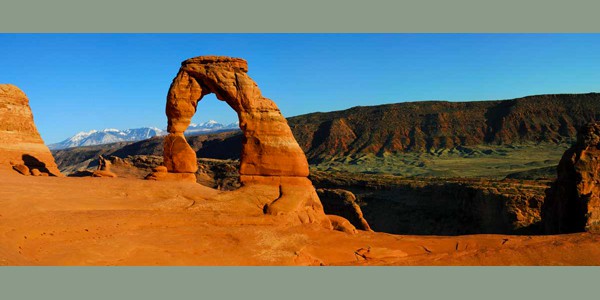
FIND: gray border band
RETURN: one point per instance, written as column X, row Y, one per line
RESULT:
column 300, row 16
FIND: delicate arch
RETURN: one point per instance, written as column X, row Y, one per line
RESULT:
column 268, row 146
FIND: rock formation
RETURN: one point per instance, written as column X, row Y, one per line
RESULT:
column 270, row 155
column 343, row 203
column 341, row 224
column 426, row 125
column 103, row 168
column 20, row 142
column 22, row 169
column 573, row 202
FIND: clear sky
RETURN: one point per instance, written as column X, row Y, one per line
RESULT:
column 79, row 82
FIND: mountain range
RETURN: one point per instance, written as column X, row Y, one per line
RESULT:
column 110, row 135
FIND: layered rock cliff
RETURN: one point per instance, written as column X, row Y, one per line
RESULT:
column 418, row 126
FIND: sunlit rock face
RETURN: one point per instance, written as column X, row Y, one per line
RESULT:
column 270, row 157
column 20, row 143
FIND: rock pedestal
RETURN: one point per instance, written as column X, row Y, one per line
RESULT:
column 20, row 143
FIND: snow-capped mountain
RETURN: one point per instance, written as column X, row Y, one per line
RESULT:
column 210, row 126
column 107, row 136
column 110, row 135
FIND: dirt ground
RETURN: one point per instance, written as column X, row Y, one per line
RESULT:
column 55, row 221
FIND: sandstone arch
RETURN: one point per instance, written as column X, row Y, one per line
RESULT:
column 270, row 154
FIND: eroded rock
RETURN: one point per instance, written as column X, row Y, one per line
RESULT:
column 341, row 224
column 103, row 168
column 270, row 154
column 20, row 142
column 343, row 203
column 22, row 169
column 573, row 202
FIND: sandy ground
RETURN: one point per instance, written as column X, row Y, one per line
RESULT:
column 106, row 221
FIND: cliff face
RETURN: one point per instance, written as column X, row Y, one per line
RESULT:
column 573, row 203
column 416, row 126
column 20, row 142
column 442, row 207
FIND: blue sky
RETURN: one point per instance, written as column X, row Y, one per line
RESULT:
column 79, row 82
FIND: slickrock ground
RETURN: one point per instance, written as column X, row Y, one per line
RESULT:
column 124, row 221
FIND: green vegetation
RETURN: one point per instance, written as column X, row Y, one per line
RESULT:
column 530, row 160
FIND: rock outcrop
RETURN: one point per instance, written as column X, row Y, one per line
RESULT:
column 573, row 201
column 343, row 203
column 103, row 169
column 20, row 142
column 342, row 224
column 270, row 155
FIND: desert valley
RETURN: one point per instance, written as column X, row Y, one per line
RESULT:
column 503, row 182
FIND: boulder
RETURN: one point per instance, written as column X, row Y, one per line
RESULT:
column 341, row 224
column 22, row 169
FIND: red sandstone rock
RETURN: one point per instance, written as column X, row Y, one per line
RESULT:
column 160, row 169
column 36, row 172
column 22, row 169
column 20, row 142
column 100, row 173
column 270, row 154
column 164, row 176
column 179, row 157
column 343, row 203
column 573, row 203
column 103, row 168
column 268, row 147
column 341, row 224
